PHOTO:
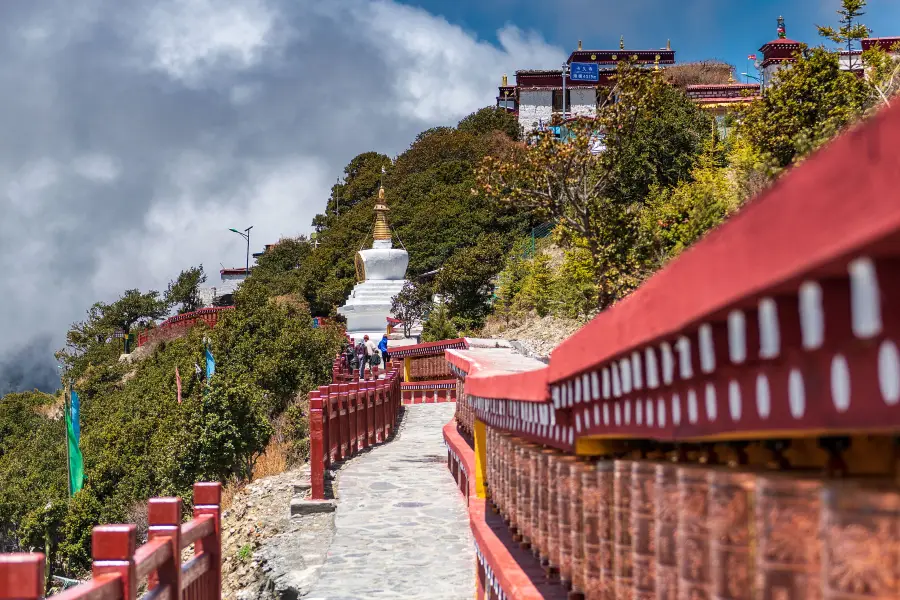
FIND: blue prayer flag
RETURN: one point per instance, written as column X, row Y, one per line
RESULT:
column 210, row 364
column 76, row 415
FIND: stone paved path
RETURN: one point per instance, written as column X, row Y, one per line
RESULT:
column 401, row 528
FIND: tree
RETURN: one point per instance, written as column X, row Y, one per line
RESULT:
column 491, row 118
column 185, row 290
column 411, row 305
column 851, row 30
column 464, row 281
column 439, row 326
column 807, row 105
column 130, row 308
column 653, row 135
column 883, row 73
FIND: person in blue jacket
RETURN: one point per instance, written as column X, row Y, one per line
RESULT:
column 382, row 346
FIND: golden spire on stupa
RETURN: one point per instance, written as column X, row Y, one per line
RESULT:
column 382, row 230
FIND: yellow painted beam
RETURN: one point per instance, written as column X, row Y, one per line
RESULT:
column 595, row 447
column 480, row 458
column 407, row 369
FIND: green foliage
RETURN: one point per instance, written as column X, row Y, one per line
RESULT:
column 439, row 326
column 131, row 307
column 185, row 290
column 654, row 135
column 296, row 430
column 537, row 288
column 411, row 305
column 245, row 553
column 809, row 103
column 675, row 217
column 464, row 282
column 851, row 30
column 491, row 118
column 229, row 427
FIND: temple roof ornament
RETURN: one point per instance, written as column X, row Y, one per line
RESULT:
column 622, row 43
column 382, row 229
column 782, row 32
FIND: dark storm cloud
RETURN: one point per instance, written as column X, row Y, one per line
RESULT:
column 134, row 134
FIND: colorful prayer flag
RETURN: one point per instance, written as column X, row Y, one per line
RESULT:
column 178, row 383
column 76, row 414
column 76, row 460
column 210, row 365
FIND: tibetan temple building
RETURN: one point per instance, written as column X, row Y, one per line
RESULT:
column 537, row 96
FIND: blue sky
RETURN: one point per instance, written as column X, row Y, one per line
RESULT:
column 699, row 29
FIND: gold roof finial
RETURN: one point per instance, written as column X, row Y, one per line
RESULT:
column 668, row 44
column 382, row 230
column 505, row 80
column 656, row 62
column 622, row 43
column 731, row 77
column 579, row 44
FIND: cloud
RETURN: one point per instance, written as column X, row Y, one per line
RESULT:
column 136, row 134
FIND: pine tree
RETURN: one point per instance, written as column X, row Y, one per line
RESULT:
column 851, row 30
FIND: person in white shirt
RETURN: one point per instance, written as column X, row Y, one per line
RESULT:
column 371, row 350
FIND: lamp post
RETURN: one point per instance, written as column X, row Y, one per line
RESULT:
column 246, row 235
column 748, row 75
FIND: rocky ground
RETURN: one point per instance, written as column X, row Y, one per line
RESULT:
column 266, row 552
column 537, row 336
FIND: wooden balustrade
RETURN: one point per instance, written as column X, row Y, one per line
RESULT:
column 120, row 566
column 178, row 323
column 346, row 418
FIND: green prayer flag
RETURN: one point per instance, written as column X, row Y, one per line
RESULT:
column 76, row 461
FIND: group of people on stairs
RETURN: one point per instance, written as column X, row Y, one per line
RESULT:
column 365, row 353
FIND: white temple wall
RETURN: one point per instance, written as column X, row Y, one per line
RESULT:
column 534, row 106
column 584, row 102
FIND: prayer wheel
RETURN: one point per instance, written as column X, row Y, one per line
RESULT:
column 666, row 525
column 787, row 513
column 576, row 520
column 731, row 496
column 692, row 546
column 567, row 472
column 643, row 508
column 622, row 530
column 861, row 537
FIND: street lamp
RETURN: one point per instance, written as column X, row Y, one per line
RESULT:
column 752, row 77
column 246, row 235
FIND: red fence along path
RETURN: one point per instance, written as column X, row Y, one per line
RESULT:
column 120, row 566
column 210, row 316
column 346, row 418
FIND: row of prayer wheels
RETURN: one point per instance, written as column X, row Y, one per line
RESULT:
column 656, row 529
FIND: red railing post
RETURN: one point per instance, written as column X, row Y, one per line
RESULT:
column 353, row 416
column 21, row 576
column 316, row 447
column 378, row 404
column 380, row 392
column 113, row 548
column 343, row 420
column 370, row 416
column 164, row 520
column 208, row 501
column 328, row 439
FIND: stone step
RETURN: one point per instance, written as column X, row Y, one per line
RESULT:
column 311, row 507
column 302, row 487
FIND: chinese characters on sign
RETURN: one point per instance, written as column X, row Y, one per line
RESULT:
column 585, row 72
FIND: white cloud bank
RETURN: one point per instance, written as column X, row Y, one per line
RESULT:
column 136, row 134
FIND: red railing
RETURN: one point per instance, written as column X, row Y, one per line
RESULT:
column 346, row 418
column 210, row 316
column 119, row 565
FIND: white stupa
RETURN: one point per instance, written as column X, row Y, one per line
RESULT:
column 381, row 270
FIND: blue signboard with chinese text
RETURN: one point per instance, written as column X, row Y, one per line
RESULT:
column 585, row 72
